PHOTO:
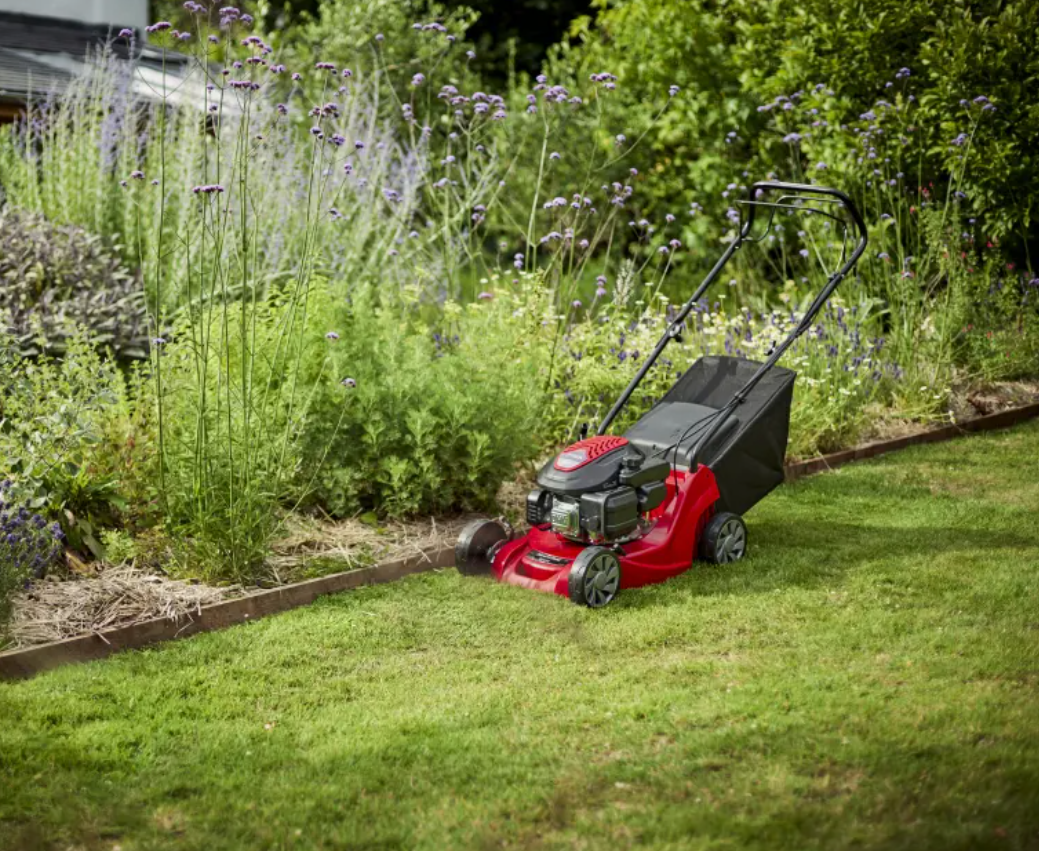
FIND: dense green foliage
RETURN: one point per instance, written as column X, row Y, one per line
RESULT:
column 735, row 58
column 71, row 440
column 375, row 284
column 864, row 679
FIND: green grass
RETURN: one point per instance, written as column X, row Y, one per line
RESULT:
column 869, row 677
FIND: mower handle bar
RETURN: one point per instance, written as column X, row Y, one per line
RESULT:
column 801, row 190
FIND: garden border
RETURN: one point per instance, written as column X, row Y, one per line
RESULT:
column 19, row 664
column 989, row 422
column 26, row 662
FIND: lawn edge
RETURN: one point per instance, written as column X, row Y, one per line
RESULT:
column 990, row 422
column 29, row 661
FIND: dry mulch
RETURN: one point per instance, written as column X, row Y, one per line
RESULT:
column 55, row 609
column 353, row 543
column 61, row 607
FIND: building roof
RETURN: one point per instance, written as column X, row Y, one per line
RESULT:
column 20, row 75
column 38, row 53
column 54, row 35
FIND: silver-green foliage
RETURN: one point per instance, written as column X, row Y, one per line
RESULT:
column 55, row 278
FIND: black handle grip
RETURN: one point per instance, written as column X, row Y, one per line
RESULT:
column 806, row 190
column 800, row 189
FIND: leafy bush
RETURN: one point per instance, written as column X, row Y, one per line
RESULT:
column 434, row 421
column 55, row 279
column 71, row 440
column 735, row 59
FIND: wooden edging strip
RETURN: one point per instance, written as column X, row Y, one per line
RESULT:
column 17, row 664
column 1002, row 419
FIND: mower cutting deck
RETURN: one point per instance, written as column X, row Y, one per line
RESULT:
column 613, row 512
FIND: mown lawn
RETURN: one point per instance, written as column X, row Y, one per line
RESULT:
column 868, row 678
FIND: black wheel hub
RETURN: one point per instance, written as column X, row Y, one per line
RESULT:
column 477, row 545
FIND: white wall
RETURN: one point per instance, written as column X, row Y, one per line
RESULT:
column 125, row 13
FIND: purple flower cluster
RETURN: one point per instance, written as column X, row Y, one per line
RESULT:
column 431, row 27
column 208, row 189
column 229, row 15
column 28, row 545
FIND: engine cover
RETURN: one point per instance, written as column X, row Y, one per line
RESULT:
column 592, row 464
column 597, row 489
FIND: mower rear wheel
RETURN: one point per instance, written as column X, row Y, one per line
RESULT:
column 595, row 577
column 476, row 546
column 724, row 538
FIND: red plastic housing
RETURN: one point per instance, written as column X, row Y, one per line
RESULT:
column 587, row 450
column 541, row 559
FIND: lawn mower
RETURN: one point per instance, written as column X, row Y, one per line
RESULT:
column 623, row 511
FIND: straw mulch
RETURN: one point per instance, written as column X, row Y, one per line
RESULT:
column 54, row 610
column 354, row 543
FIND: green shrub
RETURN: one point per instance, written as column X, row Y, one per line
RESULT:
column 70, row 441
column 55, row 279
column 436, row 420
column 736, row 58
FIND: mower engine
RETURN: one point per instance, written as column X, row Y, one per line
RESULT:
column 600, row 490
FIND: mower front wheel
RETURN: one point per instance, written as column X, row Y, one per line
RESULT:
column 477, row 545
column 595, row 577
column 724, row 539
